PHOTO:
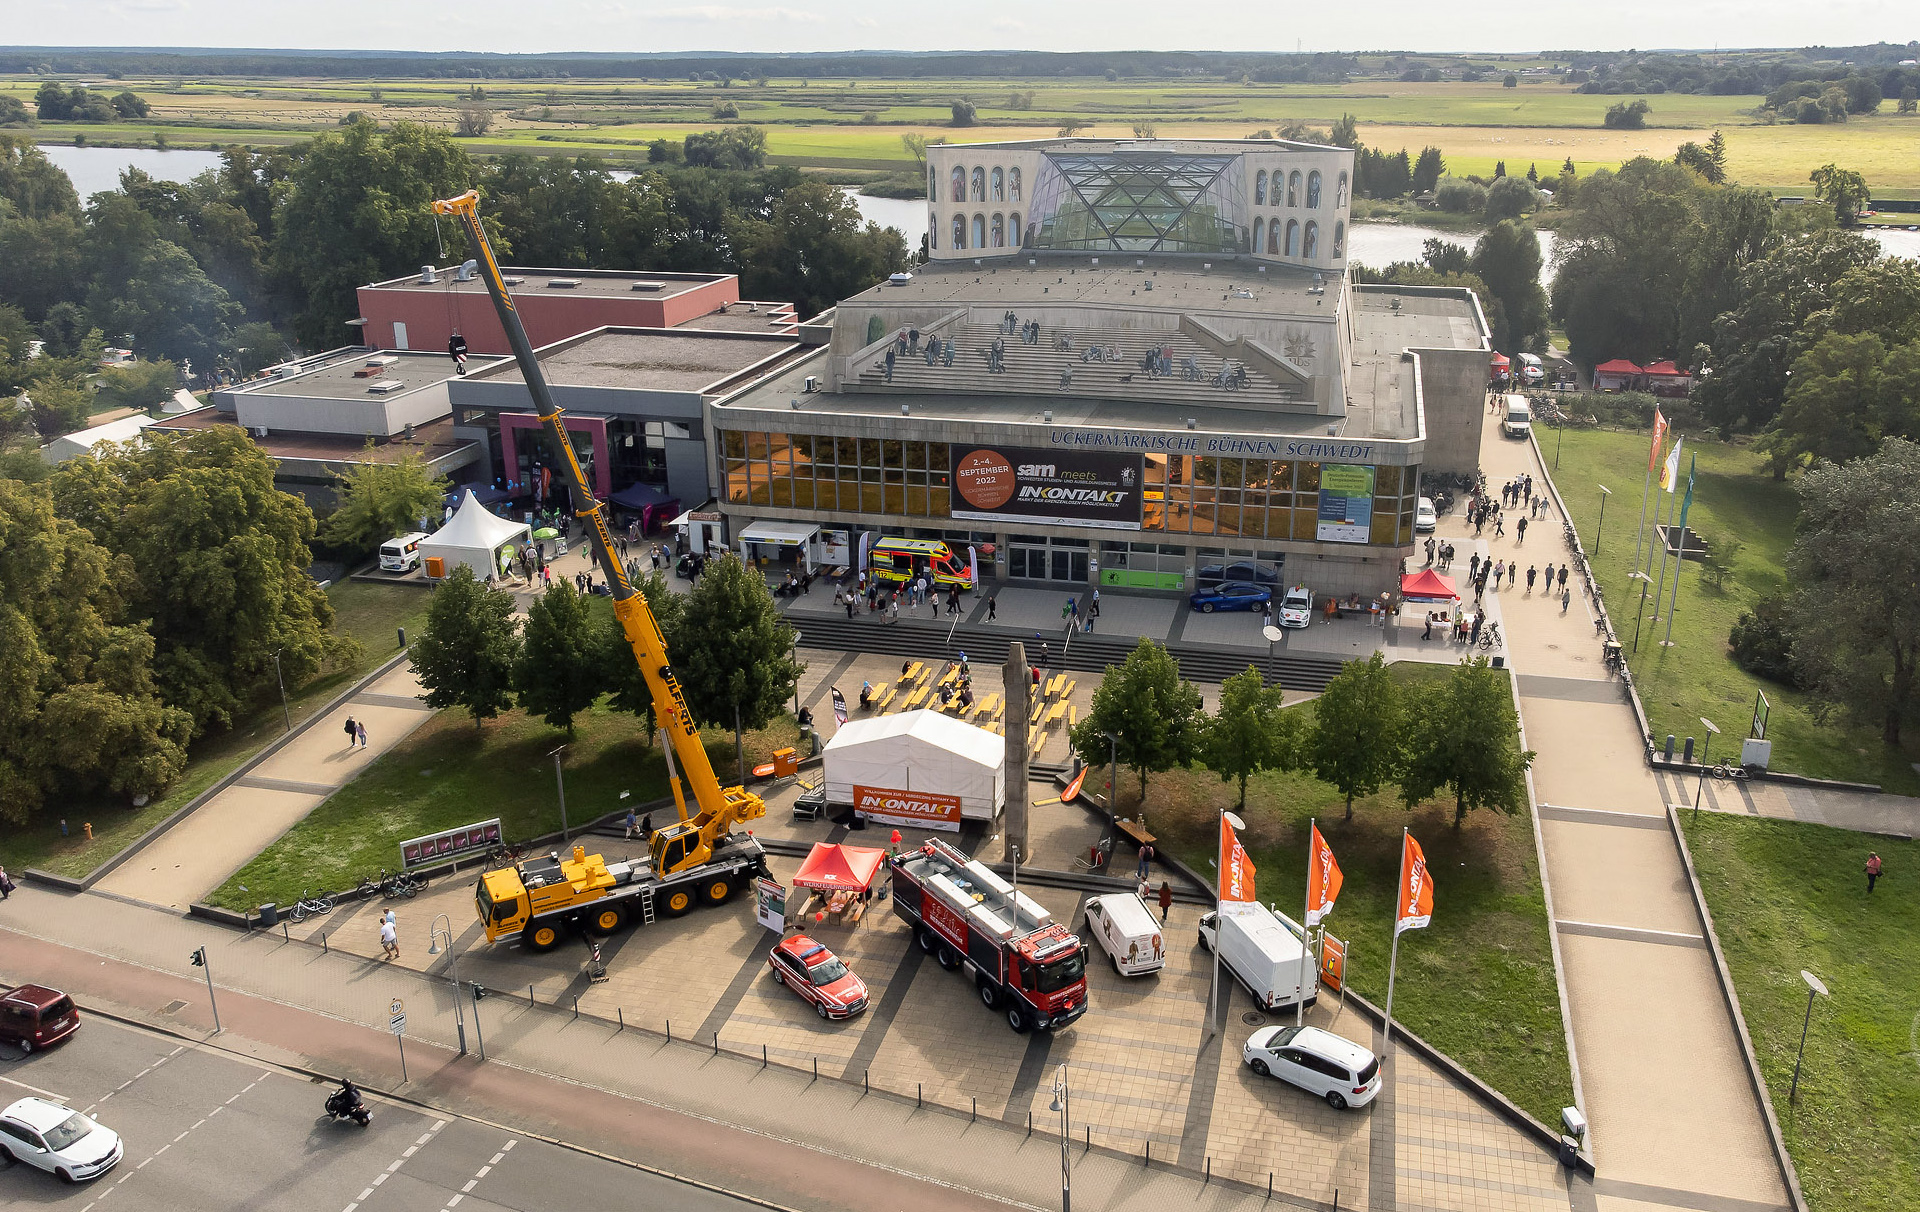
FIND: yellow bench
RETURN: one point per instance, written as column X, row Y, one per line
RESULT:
column 1038, row 743
column 880, row 704
column 1033, row 717
column 1058, row 713
column 1066, row 692
column 913, row 700
column 989, row 705
column 1073, row 716
column 952, row 672
column 1054, row 683
column 913, row 671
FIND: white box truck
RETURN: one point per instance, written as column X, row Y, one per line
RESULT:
column 1519, row 418
column 1264, row 950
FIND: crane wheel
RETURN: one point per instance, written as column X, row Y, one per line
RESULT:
column 716, row 892
column 607, row 921
column 677, row 902
column 544, row 936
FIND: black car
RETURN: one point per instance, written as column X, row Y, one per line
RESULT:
column 1254, row 574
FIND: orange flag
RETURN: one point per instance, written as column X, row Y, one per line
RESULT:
column 1236, row 869
column 1659, row 433
column 1323, row 878
column 1416, row 890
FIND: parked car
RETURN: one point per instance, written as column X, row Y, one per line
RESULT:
column 1333, row 1067
column 57, row 1139
column 1243, row 571
column 1531, row 371
column 1229, row 595
column 819, row 976
column 1519, row 418
column 34, row 1016
column 1424, row 516
column 1296, row 607
column 1127, row 931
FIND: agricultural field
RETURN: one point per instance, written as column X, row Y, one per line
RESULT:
column 857, row 124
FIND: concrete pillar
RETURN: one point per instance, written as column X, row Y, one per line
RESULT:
column 1018, row 684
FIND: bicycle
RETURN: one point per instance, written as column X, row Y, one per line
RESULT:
column 503, row 855
column 1490, row 636
column 1722, row 770
column 309, row 906
column 391, row 886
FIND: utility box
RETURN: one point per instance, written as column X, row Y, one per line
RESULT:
column 786, row 763
column 436, row 568
column 1755, row 754
column 269, row 915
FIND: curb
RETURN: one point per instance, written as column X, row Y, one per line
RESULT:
column 1785, row 1160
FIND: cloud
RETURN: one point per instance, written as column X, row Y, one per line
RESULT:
column 704, row 14
column 147, row 7
column 1008, row 24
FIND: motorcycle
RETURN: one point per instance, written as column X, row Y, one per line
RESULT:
column 345, row 1103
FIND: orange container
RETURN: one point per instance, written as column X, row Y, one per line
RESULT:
column 786, row 763
column 436, row 567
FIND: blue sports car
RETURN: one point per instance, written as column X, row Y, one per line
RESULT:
column 1230, row 595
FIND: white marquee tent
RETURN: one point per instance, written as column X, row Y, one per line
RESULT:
column 473, row 537
column 920, row 751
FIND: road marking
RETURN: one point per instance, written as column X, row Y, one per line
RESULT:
column 471, row 1184
column 411, row 1150
column 366, row 1193
column 484, row 1170
column 181, row 1137
column 58, row 1098
column 1630, row 934
column 382, row 1177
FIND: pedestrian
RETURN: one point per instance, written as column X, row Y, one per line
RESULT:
column 1566, row 597
column 6, row 885
column 633, row 823
column 849, row 601
column 360, row 731
column 646, row 828
column 1046, row 656
column 389, row 939
column 1873, row 873
column 1473, row 636
column 1520, row 532
column 993, row 609
column 1499, row 571
column 1532, row 571
column 1499, row 525
column 353, row 734
column 1563, row 576
column 1473, row 567
column 1146, row 857
column 1427, row 634
column 893, row 610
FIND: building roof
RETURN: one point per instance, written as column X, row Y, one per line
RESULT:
column 1616, row 366
column 963, row 740
column 69, row 445
column 1226, row 284
column 658, row 359
column 341, row 377
column 433, row 441
column 1667, row 370
column 533, row 281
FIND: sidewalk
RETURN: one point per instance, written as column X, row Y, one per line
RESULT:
column 1674, row 1119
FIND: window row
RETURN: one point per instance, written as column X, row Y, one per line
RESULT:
column 997, row 185
column 1295, row 240
column 999, row 231
column 1288, row 187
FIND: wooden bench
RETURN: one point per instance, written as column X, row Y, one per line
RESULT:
column 1073, row 716
column 1066, row 692
column 880, row 704
column 913, row 700
column 913, row 671
column 989, row 705
column 1135, row 831
column 1033, row 717
column 1038, row 743
column 1054, row 683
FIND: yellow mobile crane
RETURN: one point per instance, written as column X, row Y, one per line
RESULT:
column 698, row 856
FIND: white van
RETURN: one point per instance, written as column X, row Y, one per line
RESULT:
column 1264, row 950
column 1127, row 931
column 1519, row 421
column 401, row 554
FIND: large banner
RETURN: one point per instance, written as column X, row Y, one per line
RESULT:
column 918, row 809
column 1027, row 484
column 1346, row 503
column 450, row 844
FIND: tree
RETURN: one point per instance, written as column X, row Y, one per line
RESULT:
column 733, row 651
column 13, row 112
column 1428, row 170
column 130, row 105
column 814, row 249
column 475, row 120
column 466, row 654
column 1144, row 703
column 1621, row 285
column 35, row 186
column 1507, row 259
column 1444, row 256
column 1459, row 196
column 1853, row 614
column 1250, row 733
column 1145, row 130
column 81, row 711
column 1848, row 393
column 735, row 147
column 1844, row 188
column 144, row 386
column 625, row 681
column 1692, row 155
column 1909, row 100
column 964, row 113
column 1346, row 132
column 559, row 672
column 1358, row 729
column 1468, row 741
column 1717, row 158
column 915, row 145
column 1510, row 198
column 1511, row 81
column 1627, row 115
column 59, row 406
column 376, row 500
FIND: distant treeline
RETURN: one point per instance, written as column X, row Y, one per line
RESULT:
column 1740, row 74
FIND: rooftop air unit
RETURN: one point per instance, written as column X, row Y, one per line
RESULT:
column 562, row 283
column 385, row 387
column 899, row 279
column 428, row 275
column 813, row 384
column 383, row 360
column 512, row 281
column 648, row 286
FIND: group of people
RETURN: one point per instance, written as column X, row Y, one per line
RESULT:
column 1077, row 619
column 1439, row 555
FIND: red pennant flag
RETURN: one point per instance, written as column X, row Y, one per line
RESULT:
column 1323, row 878
column 1236, row 869
column 1416, row 890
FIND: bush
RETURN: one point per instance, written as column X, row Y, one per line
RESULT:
column 1761, row 643
column 1459, row 197
column 963, row 113
column 1510, row 198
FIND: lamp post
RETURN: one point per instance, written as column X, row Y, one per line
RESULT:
column 1705, row 749
column 1560, row 435
column 1274, row 636
column 1815, row 988
column 560, row 780
column 1062, row 1102
column 1605, row 492
column 285, row 711
column 435, row 933
column 1640, row 616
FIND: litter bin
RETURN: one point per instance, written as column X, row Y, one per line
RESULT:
column 269, row 915
column 785, row 763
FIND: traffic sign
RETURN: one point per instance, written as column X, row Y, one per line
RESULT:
column 397, row 1024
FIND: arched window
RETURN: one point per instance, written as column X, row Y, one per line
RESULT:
column 1018, row 233
column 959, row 184
column 1273, row 238
column 1293, row 190
column 1313, row 191
column 999, row 185
column 1013, row 186
column 1293, row 235
column 1311, row 249
column 1259, row 234
column 959, row 229
column 1260, row 190
column 1340, row 196
column 979, row 231
column 933, row 230
column 999, row 229
column 979, row 185
column 933, row 183
column 1339, row 240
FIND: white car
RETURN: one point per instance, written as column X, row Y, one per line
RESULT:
column 1425, row 517
column 57, row 1139
column 1335, row 1068
column 1296, row 607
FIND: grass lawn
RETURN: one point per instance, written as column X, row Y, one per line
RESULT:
column 1787, row 896
column 368, row 613
column 449, row 773
column 1735, row 498
column 1479, row 982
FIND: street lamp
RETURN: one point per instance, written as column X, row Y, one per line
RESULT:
column 561, row 781
column 1645, row 581
column 796, row 681
column 1219, row 901
column 1704, row 751
column 1113, row 785
column 1274, row 636
column 1815, row 988
column 435, row 933
column 1560, row 434
column 1062, row 1101
column 1605, row 492
column 285, row 710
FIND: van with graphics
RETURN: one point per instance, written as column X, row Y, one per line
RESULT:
column 899, row 560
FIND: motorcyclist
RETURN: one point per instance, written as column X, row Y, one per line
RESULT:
column 345, row 1100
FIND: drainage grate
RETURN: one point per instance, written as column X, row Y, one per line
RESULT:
column 172, row 1007
column 1253, row 1018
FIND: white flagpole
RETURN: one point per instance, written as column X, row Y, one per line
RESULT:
column 1661, row 585
column 1219, row 888
column 1645, row 492
column 1300, row 1003
column 1393, row 962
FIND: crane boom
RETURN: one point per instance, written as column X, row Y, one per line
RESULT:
column 720, row 807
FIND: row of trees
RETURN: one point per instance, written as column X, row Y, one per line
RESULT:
column 1503, row 269
column 77, row 104
column 1362, row 734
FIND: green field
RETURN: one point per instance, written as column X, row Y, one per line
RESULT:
column 1787, row 896
column 1478, row 984
column 1735, row 499
column 368, row 613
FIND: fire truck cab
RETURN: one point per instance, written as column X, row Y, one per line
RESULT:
column 1023, row 963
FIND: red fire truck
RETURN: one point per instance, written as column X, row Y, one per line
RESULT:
column 1023, row 962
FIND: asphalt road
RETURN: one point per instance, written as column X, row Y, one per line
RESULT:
column 206, row 1132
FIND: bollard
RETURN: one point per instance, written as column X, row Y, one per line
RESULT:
column 976, row 1110
column 283, row 930
column 1029, row 1123
column 1270, row 1186
column 916, row 1094
column 623, row 1017
column 88, row 830
column 324, row 949
column 669, row 1030
column 816, row 1068
column 866, row 1081
column 1147, row 1162
column 716, row 1043
column 763, row 1056
column 1089, row 1136
column 1209, row 1167
column 530, row 1001
column 576, row 1007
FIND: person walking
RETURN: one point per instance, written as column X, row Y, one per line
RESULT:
column 353, row 732
column 1532, row 571
column 1566, row 598
column 633, row 823
column 360, row 731
column 993, row 610
column 1563, row 576
column 1520, row 532
column 1166, row 900
column 6, row 885
column 1873, row 872
column 389, row 938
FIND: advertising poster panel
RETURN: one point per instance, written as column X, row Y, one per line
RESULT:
column 453, row 843
column 918, row 809
column 1027, row 484
column 1346, row 503
column 770, row 904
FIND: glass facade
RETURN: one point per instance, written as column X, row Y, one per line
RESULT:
column 1183, row 494
column 1139, row 201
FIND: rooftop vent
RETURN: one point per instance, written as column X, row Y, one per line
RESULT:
column 899, row 279
column 1096, row 261
column 794, row 402
column 562, row 283
column 428, row 275
column 905, row 410
column 1191, row 423
column 385, row 387
column 649, row 286
column 1206, row 265
column 1047, row 416
column 813, row 384
column 1332, row 430
column 467, row 270
column 1032, row 261
column 512, row 281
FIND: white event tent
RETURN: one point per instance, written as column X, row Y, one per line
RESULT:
column 921, row 751
column 473, row 537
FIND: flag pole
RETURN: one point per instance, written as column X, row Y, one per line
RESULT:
column 1393, row 961
column 1679, row 560
column 1219, row 887
column 1660, row 586
column 1300, row 1002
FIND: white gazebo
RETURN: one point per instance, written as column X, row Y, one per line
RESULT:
column 473, row 537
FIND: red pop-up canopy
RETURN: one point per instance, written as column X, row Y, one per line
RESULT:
column 834, row 868
column 1427, row 586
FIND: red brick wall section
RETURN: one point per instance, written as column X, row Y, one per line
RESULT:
column 431, row 313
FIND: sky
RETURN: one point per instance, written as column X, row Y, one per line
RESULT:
column 768, row 26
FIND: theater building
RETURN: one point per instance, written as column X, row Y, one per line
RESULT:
column 1112, row 371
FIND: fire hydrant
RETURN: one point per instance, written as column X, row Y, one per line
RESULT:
column 88, row 830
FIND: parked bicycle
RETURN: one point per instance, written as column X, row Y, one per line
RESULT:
column 392, row 886
column 310, row 906
column 1721, row 770
column 1490, row 635
column 503, row 855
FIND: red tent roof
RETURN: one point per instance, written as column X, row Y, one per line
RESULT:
column 834, row 868
column 1500, row 359
column 1617, row 366
column 1667, row 370
column 1427, row 585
